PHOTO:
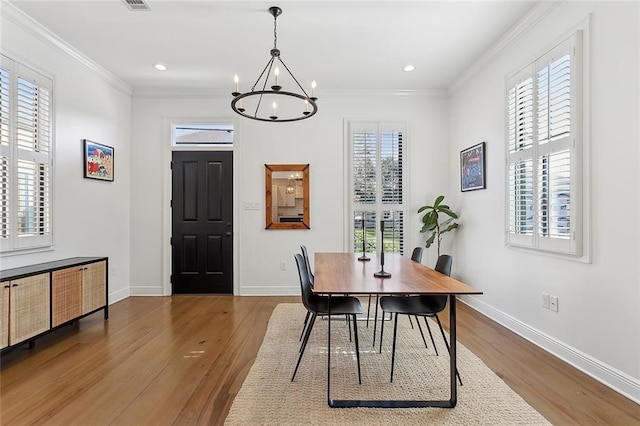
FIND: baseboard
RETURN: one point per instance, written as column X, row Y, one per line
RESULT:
column 605, row 374
column 255, row 290
column 118, row 295
column 146, row 291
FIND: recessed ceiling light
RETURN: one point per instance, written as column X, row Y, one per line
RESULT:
column 409, row 68
column 160, row 67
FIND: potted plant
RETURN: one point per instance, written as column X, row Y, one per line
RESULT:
column 431, row 224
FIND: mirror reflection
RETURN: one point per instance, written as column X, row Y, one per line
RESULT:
column 287, row 198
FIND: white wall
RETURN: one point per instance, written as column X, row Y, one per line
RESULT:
column 318, row 141
column 91, row 218
column 598, row 324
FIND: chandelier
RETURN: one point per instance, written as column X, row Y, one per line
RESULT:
column 274, row 104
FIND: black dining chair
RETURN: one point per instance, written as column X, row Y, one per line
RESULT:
column 419, row 306
column 319, row 306
column 305, row 255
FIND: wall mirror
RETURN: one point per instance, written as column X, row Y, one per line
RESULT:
column 287, row 196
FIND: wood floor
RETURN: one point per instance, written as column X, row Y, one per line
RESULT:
column 182, row 359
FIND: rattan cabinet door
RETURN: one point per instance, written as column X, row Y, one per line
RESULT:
column 66, row 294
column 5, row 288
column 29, row 308
column 94, row 286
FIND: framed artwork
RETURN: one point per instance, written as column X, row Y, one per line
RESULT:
column 98, row 161
column 472, row 168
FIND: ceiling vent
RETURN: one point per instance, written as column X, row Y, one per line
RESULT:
column 136, row 5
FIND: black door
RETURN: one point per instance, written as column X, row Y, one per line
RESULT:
column 202, row 226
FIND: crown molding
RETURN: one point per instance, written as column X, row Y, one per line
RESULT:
column 177, row 92
column 539, row 12
column 33, row 27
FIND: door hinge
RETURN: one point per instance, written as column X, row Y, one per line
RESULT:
column 170, row 241
column 171, row 165
column 170, row 279
column 171, row 203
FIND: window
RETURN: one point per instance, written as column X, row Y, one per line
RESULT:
column 377, row 192
column 544, row 175
column 25, row 157
column 200, row 134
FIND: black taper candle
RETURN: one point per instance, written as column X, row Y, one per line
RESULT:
column 382, row 273
column 364, row 257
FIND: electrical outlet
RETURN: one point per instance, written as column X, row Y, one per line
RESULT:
column 251, row 205
column 553, row 303
column 283, row 266
column 545, row 300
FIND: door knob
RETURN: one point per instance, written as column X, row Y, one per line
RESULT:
column 228, row 234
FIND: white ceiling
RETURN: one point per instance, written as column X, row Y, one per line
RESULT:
column 352, row 45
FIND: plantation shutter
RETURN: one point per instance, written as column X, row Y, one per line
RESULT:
column 377, row 176
column 543, row 122
column 520, row 158
column 5, row 154
column 26, row 173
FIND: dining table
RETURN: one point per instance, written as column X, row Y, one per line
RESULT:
column 342, row 273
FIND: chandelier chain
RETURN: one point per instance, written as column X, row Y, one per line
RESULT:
column 275, row 32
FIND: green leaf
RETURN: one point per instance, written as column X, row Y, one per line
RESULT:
column 438, row 201
column 430, row 218
column 450, row 213
column 428, row 227
column 423, row 208
column 429, row 241
column 449, row 228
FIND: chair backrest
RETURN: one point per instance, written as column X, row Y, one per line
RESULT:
column 308, row 298
column 305, row 256
column 443, row 265
column 416, row 256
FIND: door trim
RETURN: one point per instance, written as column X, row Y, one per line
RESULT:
column 166, row 198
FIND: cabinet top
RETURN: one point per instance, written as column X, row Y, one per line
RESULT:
column 15, row 273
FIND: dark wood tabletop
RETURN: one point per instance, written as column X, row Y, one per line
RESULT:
column 342, row 273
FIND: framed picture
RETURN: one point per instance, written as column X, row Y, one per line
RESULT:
column 98, row 161
column 472, row 168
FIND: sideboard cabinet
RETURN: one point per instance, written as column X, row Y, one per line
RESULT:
column 37, row 299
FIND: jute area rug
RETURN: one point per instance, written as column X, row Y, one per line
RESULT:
column 269, row 397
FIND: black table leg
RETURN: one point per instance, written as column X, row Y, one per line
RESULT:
column 453, row 353
column 451, row 403
column 329, row 351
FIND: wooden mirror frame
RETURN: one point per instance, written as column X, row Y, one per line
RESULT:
column 268, row 182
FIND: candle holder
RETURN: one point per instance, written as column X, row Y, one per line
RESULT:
column 364, row 257
column 382, row 273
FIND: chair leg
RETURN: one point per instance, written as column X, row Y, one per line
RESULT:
column 421, row 333
column 355, row 334
column 410, row 322
column 349, row 326
column 382, row 330
column 304, row 326
column 447, row 345
column 304, row 344
column 375, row 322
column 431, row 335
column 393, row 350
column 307, row 333
column 368, row 311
